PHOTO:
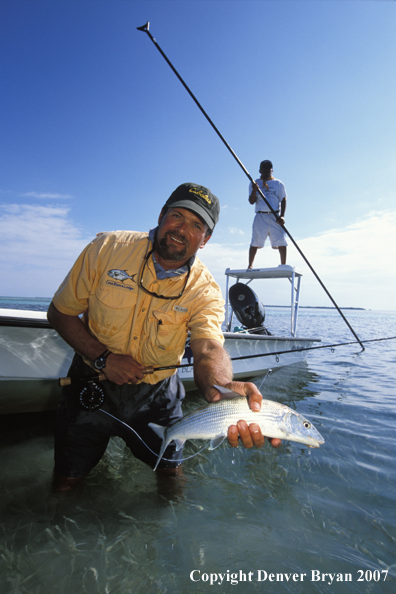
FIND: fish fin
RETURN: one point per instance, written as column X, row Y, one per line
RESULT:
column 179, row 444
column 158, row 429
column 216, row 441
column 226, row 392
column 158, row 460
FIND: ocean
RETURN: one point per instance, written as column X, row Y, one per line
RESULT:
column 288, row 520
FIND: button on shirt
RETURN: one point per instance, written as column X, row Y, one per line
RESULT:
column 103, row 286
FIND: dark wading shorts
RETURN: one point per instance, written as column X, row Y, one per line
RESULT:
column 81, row 436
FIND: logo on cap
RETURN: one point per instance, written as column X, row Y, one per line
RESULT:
column 201, row 194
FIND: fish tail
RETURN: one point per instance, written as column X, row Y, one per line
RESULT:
column 158, row 429
column 161, row 432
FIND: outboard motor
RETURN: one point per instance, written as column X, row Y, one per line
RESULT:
column 246, row 305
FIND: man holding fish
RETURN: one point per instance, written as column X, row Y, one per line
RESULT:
column 139, row 295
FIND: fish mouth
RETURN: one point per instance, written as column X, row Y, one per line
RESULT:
column 317, row 443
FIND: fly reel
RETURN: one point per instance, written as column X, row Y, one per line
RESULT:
column 92, row 396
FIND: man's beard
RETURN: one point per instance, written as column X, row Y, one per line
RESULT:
column 170, row 253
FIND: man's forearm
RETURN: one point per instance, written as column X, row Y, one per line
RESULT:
column 283, row 207
column 75, row 333
column 212, row 365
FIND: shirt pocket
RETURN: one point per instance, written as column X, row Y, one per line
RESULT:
column 167, row 337
column 110, row 316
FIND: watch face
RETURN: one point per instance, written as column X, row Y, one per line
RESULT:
column 100, row 362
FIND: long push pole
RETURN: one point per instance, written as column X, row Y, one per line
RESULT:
column 145, row 29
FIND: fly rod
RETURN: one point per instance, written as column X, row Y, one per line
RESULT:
column 66, row 381
column 145, row 29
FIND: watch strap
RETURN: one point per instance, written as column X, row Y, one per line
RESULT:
column 103, row 357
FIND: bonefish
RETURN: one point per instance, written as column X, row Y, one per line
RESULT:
column 212, row 421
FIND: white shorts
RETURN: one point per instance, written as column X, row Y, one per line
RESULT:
column 264, row 225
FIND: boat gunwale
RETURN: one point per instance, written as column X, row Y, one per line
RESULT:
column 247, row 336
column 24, row 322
column 39, row 321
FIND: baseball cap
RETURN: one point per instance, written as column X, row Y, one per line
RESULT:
column 265, row 166
column 198, row 199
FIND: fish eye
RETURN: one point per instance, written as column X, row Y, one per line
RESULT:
column 307, row 425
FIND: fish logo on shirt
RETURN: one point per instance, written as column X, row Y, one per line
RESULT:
column 120, row 275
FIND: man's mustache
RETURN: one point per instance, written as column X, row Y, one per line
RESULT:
column 177, row 236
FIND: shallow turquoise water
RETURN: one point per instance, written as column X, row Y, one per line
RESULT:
column 255, row 516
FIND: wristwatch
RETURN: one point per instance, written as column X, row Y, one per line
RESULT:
column 100, row 362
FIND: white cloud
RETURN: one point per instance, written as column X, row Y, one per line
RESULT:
column 38, row 245
column 46, row 196
column 356, row 263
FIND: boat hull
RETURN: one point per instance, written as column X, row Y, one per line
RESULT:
column 254, row 354
column 33, row 357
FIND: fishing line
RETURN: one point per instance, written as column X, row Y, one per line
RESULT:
column 145, row 29
column 323, row 346
column 88, row 402
column 66, row 381
column 145, row 444
column 269, row 372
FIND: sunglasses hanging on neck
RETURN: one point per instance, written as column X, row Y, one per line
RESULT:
column 141, row 286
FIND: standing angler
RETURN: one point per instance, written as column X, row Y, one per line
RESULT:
column 139, row 295
column 265, row 222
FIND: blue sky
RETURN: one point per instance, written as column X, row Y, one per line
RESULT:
column 96, row 132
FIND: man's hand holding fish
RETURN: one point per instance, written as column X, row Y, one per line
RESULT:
column 213, row 367
column 250, row 435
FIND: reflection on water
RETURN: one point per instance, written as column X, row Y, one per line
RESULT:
column 329, row 510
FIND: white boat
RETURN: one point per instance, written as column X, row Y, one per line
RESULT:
column 252, row 349
column 33, row 356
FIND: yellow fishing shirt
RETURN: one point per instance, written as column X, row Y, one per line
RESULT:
column 103, row 286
